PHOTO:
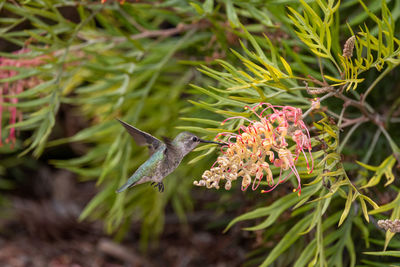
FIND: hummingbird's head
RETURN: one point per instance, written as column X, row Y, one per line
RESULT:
column 186, row 142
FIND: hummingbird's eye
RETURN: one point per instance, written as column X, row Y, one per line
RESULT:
column 195, row 139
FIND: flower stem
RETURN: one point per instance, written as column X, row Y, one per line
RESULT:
column 372, row 86
column 352, row 129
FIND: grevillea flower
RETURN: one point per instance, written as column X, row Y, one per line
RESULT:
column 8, row 90
column 250, row 153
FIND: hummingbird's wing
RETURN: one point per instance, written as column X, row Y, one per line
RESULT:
column 171, row 149
column 142, row 138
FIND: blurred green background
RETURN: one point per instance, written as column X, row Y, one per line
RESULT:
column 93, row 62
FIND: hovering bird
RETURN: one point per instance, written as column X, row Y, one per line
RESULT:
column 165, row 156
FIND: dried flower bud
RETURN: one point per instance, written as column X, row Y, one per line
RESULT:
column 349, row 46
column 392, row 226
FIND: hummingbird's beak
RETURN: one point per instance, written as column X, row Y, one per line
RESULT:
column 211, row 142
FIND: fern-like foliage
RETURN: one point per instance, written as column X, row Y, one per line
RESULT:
column 371, row 51
column 135, row 61
column 333, row 204
column 313, row 30
column 105, row 61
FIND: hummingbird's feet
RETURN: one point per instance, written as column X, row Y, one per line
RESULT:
column 160, row 186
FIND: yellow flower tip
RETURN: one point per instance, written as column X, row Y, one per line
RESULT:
column 246, row 107
column 299, row 191
column 222, row 123
column 263, row 191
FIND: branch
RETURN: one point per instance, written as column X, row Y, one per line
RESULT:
column 374, row 117
column 349, row 122
column 369, row 114
column 372, row 86
column 146, row 34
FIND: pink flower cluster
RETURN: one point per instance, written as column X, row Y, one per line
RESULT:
column 263, row 142
column 8, row 90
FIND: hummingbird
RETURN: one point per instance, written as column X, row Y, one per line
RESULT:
column 165, row 156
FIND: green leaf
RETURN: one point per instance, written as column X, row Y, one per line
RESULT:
column 198, row 8
column 391, row 253
column 95, row 202
column 273, row 211
column 287, row 66
column 364, row 209
column 231, row 13
column 384, row 169
column 203, row 121
column 386, row 207
column 290, row 237
column 347, row 206
column 208, row 6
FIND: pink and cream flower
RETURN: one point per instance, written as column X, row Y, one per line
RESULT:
column 261, row 145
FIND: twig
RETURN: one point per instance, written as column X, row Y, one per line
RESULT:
column 349, row 122
column 146, row 34
column 372, row 86
column 372, row 146
column 333, row 114
column 376, row 119
column 369, row 114
column 321, row 69
column 393, row 146
column 342, row 115
column 347, row 137
column 317, row 81
column 351, row 102
column 321, row 99
column 358, row 98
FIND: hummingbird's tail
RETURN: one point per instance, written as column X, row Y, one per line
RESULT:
column 140, row 176
column 131, row 182
column 135, row 179
column 124, row 187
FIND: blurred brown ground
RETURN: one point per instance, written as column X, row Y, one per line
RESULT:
column 41, row 229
